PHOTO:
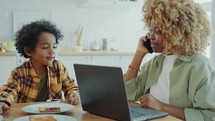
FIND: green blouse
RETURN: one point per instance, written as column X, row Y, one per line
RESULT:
column 192, row 85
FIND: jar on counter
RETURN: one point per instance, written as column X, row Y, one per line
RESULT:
column 95, row 46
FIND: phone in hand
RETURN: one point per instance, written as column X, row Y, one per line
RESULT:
column 147, row 45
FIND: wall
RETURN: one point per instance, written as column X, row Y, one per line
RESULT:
column 212, row 54
column 121, row 27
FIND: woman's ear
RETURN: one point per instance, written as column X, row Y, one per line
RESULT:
column 27, row 51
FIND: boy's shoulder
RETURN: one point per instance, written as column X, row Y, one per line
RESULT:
column 26, row 64
column 57, row 62
column 57, row 65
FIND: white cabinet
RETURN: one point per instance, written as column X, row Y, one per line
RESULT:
column 116, row 61
column 7, row 64
column 104, row 4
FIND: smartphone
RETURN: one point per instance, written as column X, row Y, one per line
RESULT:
column 147, row 44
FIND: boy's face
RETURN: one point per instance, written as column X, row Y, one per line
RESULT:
column 45, row 50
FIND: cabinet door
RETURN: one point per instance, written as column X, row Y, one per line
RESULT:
column 105, row 60
column 7, row 64
column 68, row 62
column 124, row 62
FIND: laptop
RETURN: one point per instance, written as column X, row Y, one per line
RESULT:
column 102, row 92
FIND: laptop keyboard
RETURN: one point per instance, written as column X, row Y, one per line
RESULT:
column 137, row 115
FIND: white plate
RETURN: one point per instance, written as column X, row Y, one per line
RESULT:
column 57, row 117
column 34, row 108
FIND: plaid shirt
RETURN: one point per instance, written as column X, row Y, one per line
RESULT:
column 23, row 83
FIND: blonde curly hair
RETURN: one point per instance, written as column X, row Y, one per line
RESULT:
column 183, row 22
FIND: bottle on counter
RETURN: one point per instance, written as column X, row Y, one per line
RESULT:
column 104, row 44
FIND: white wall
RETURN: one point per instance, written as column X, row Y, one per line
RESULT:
column 121, row 27
column 212, row 54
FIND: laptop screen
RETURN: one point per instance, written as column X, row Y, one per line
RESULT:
column 102, row 91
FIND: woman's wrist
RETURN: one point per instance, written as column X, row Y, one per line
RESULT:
column 133, row 68
column 140, row 53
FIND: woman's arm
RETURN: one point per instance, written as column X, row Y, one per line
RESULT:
column 148, row 101
column 133, row 69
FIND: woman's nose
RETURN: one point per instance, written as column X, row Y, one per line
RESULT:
column 151, row 36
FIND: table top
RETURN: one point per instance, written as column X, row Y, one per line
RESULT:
column 15, row 111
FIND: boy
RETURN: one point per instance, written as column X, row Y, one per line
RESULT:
column 41, row 77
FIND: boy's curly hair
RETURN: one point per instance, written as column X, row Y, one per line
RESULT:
column 28, row 35
column 182, row 22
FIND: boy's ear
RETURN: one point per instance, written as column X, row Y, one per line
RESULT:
column 27, row 51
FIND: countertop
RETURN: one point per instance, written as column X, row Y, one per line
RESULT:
column 97, row 53
column 82, row 53
column 12, row 53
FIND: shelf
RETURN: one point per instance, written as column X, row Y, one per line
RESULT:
column 108, row 4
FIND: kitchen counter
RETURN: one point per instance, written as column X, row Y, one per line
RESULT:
column 12, row 53
column 82, row 53
column 97, row 53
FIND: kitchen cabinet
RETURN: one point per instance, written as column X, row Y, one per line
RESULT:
column 7, row 64
column 116, row 61
column 105, row 58
column 105, row 4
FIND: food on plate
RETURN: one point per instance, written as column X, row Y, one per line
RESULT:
column 53, row 100
column 49, row 109
column 42, row 118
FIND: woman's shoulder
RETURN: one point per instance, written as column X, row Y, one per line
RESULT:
column 201, row 58
column 203, row 62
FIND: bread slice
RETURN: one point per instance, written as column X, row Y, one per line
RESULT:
column 49, row 109
column 42, row 118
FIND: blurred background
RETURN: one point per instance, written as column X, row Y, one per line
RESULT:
column 116, row 21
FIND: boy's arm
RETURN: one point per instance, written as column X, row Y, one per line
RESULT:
column 9, row 91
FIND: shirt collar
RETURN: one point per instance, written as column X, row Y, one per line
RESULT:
column 185, row 58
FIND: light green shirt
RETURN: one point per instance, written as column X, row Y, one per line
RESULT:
column 192, row 85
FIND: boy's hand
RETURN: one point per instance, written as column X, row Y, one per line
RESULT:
column 74, row 98
column 3, row 107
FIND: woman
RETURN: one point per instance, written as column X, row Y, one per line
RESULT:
column 180, row 80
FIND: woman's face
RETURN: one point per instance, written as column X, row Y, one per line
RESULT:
column 156, row 37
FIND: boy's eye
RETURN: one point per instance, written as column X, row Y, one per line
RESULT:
column 44, row 47
column 55, row 46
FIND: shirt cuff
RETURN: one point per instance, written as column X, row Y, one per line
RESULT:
column 193, row 115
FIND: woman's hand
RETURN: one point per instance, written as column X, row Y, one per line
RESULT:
column 149, row 101
column 74, row 98
column 3, row 107
column 140, row 46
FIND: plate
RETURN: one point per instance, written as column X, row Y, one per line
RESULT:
column 34, row 108
column 57, row 117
